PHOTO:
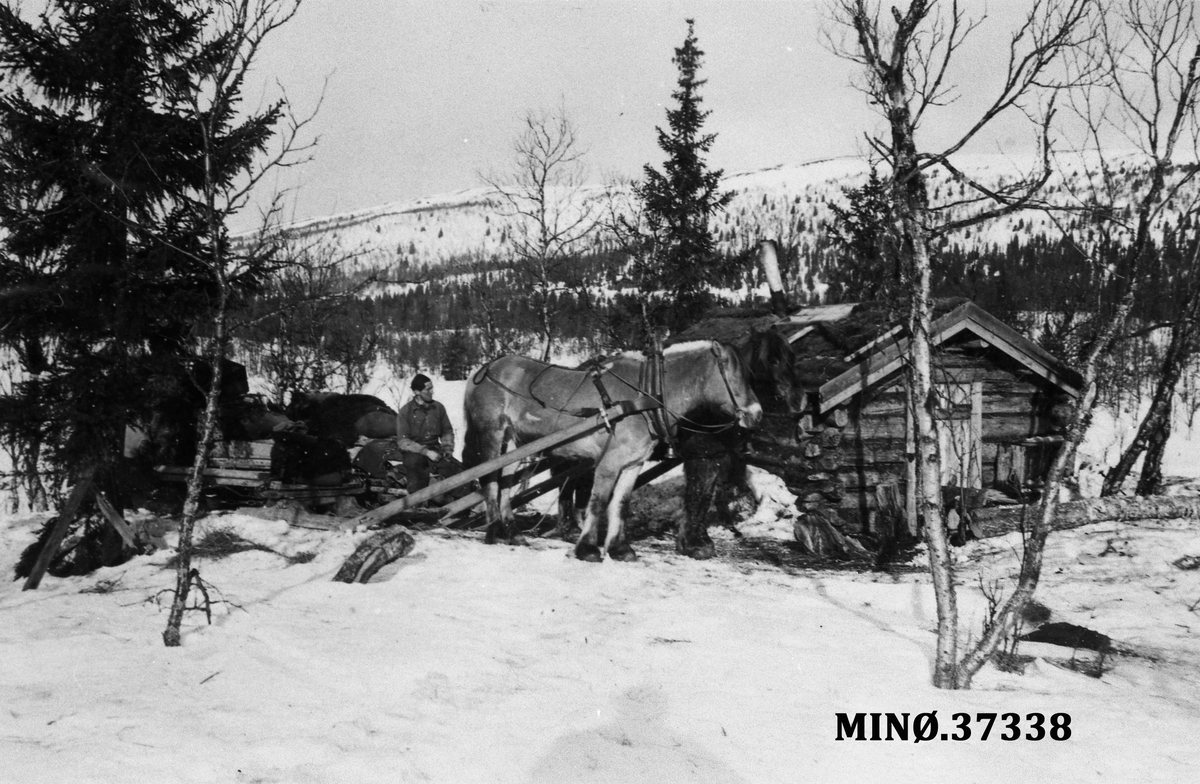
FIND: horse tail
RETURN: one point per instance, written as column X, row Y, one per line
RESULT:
column 471, row 445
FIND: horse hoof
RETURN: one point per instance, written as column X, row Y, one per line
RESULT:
column 622, row 552
column 518, row 540
column 589, row 553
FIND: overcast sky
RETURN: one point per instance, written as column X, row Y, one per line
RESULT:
column 421, row 96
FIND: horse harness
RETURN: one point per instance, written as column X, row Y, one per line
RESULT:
column 653, row 379
column 651, row 383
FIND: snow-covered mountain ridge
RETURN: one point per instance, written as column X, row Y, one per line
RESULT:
column 788, row 202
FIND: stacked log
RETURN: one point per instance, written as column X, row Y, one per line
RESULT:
column 996, row 521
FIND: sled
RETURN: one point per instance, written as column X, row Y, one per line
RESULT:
column 393, row 511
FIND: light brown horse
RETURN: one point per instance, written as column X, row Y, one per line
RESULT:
column 517, row 400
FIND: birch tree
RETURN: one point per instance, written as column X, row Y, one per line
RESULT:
column 237, row 154
column 905, row 58
column 553, row 220
column 1148, row 61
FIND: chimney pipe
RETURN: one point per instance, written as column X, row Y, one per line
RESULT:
column 768, row 256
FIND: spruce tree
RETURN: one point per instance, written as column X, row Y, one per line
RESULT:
column 95, row 159
column 680, row 201
column 868, row 265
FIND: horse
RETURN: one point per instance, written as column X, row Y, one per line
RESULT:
column 704, row 386
column 714, row 464
column 771, row 366
column 344, row 418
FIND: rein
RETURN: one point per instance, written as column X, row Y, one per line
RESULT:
column 659, row 422
column 595, row 369
column 651, row 384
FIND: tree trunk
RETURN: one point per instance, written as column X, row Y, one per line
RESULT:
column 911, row 202
column 373, row 553
column 1150, row 482
column 1155, row 428
column 191, row 506
column 997, row 521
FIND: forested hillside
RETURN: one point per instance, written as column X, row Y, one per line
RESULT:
column 439, row 286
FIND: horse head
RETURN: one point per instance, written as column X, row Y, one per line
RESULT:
column 771, row 366
column 707, row 385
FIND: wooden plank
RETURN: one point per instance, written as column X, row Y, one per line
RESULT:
column 976, row 469
column 384, row 513
column 886, row 336
column 79, row 493
column 911, row 486
column 553, row 480
column 181, row 473
column 278, row 490
column 800, row 333
column 241, row 463
column 116, row 521
column 217, row 482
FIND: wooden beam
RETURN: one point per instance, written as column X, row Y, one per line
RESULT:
column 881, row 339
column 800, row 333
column 551, row 482
column 79, row 493
column 554, row 481
column 116, row 521
column 386, row 512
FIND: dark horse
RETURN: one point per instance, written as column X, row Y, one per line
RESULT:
column 519, row 399
column 714, row 464
column 344, row 418
column 771, row 367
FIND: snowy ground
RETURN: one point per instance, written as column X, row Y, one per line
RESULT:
column 469, row 663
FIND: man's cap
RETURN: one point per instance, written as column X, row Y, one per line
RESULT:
column 419, row 381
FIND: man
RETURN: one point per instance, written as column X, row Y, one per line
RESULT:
column 425, row 436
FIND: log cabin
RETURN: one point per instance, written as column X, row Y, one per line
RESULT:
column 1002, row 407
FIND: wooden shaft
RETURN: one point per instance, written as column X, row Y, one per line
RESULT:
column 556, row 478
column 389, row 510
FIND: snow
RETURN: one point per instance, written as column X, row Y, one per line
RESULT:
column 473, row 663
column 469, row 663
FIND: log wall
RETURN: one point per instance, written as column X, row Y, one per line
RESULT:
column 837, row 460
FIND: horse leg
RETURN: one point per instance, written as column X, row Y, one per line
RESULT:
column 491, row 505
column 702, row 475
column 490, row 449
column 572, row 502
column 512, row 534
column 588, row 546
column 616, row 544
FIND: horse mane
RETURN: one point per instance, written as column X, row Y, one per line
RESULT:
column 767, row 350
column 688, row 346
